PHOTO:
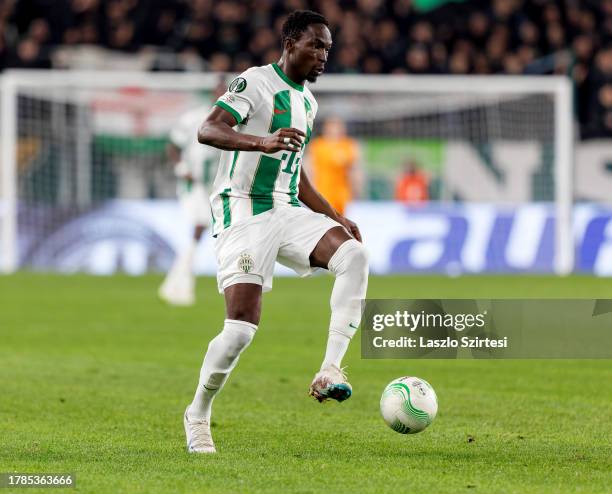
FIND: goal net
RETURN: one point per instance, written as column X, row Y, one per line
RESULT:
column 86, row 183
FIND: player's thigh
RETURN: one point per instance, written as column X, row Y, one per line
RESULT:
column 246, row 252
column 243, row 302
column 303, row 231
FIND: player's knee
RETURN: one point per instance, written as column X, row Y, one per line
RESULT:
column 360, row 258
column 245, row 309
column 237, row 335
column 351, row 257
column 246, row 314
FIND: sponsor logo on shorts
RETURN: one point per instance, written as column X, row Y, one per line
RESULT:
column 245, row 262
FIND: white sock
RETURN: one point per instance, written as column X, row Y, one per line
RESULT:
column 182, row 267
column 337, row 345
column 184, row 261
column 350, row 265
column 221, row 357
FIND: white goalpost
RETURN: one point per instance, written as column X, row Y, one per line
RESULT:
column 72, row 140
column 463, row 91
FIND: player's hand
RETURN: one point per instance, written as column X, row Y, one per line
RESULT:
column 351, row 227
column 287, row 139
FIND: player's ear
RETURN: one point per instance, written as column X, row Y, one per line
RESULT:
column 289, row 44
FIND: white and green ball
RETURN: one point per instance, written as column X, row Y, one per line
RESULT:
column 408, row 405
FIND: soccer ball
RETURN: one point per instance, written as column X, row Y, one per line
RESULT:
column 408, row 405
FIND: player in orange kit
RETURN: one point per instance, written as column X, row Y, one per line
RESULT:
column 413, row 185
column 334, row 162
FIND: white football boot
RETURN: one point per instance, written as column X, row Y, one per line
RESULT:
column 178, row 289
column 330, row 382
column 199, row 439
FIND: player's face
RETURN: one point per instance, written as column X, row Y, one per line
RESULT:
column 309, row 53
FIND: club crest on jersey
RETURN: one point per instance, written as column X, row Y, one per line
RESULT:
column 238, row 85
column 245, row 262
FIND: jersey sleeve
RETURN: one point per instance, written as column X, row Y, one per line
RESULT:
column 242, row 96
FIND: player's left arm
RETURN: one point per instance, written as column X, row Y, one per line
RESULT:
column 315, row 201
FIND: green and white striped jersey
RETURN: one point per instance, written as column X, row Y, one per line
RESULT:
column 262, row 100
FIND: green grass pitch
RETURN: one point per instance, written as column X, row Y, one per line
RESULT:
column 95, row 374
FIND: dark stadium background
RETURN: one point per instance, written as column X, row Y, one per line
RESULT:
column 370, row 36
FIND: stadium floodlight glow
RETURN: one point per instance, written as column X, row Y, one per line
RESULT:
column 59, row 129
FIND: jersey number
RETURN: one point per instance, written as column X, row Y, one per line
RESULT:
column 292, row 159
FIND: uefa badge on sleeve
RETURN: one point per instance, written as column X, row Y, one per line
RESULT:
column 238, row 85
column 245, row 262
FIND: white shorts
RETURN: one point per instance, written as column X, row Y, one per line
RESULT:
column 195, row 204
column 246, row 252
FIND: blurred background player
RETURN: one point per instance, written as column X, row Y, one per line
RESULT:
column 334, row 164
column 195, row 166
column 413, row 185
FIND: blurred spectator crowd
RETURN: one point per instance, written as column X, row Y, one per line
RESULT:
column 370, row 36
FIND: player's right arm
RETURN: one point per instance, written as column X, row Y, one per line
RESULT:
column 217, row 131
column 243, row 99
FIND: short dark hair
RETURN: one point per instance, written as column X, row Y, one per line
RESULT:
column 298, row 21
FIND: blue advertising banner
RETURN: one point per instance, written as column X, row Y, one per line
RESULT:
column 140, row 236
